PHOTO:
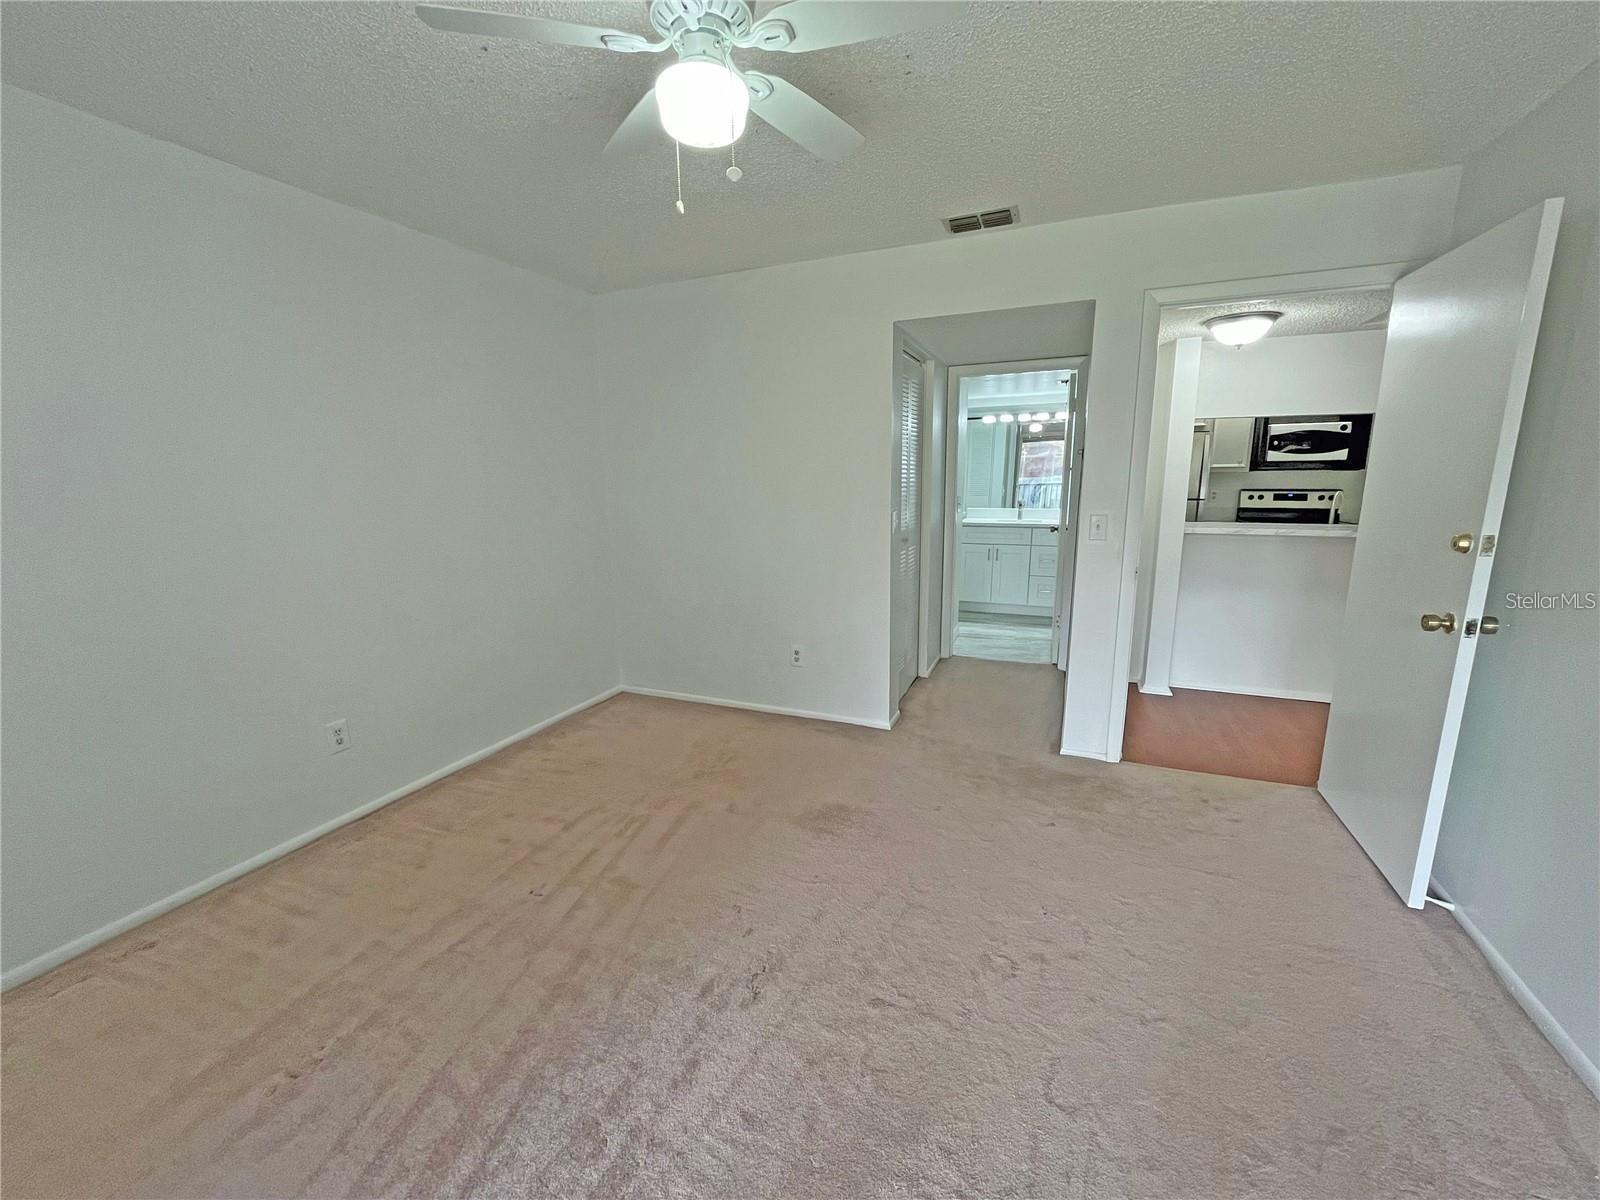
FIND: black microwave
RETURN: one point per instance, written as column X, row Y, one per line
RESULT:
column 1311, row 443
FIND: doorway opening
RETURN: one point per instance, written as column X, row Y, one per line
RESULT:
column 990, row 403
column 1018, row 467
column 1254, row 484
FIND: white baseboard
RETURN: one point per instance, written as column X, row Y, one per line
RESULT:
column 1097, row 755
column 719, row 702
column 54, row 958
column 1523, row 995
column 1273, row 693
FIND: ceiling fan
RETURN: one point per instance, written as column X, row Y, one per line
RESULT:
column 703, row 99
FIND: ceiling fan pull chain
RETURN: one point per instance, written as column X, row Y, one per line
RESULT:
column 733, row 172
column 677, row 150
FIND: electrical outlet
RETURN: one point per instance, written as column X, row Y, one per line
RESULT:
column 797, row 656
column 338, row 735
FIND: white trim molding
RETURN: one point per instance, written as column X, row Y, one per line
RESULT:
column 1541, row 1016
column 748, row 706
column 1272, row 693
column 38, row 965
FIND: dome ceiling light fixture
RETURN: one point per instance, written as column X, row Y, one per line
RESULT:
column 1241, row 329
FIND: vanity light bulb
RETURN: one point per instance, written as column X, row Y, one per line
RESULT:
column 1007, row 418
column 1036, row 428
column 988, row 418
column 1061, row 416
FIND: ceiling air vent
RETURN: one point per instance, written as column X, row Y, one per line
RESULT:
column 995, row 218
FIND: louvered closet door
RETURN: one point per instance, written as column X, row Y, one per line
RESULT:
column 906, row 522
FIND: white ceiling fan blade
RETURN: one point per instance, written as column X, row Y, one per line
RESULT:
column 528, row 29
column 803, row 25
column 800, row 118
column 638, row 128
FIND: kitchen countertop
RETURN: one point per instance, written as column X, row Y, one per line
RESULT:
column 1251, row 529
column 1012, row 524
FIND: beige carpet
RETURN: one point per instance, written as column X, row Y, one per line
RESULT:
column 667, row 950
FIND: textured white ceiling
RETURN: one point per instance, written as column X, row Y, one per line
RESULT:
column 1067, row 109
column 1311, row 312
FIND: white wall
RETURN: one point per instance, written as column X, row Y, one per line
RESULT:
column 758, row 424
column 269, row 461
column 1260, row 614
column 1313, row 374
column 1520, row 846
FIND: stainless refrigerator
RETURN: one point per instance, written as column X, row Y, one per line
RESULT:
column 1199, row 470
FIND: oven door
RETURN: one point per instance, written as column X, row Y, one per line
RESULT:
column 1283, row 516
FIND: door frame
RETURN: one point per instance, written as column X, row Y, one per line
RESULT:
column 1138, row 539
column 954, row 472
column 1071, row 509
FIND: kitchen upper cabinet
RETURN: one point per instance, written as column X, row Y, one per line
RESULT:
column 1011, row 574
column 1230, row 443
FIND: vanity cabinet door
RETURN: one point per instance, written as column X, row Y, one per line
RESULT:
column 976, row 579
column 1011, row 574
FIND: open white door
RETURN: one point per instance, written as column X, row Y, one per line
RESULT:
column 1455, row 375
column 905, row 520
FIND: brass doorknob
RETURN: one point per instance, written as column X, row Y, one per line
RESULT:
column 1488, row 625
column 1433, row 622
column 1461, row 543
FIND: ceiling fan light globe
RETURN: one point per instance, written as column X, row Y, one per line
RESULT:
column 702, row 104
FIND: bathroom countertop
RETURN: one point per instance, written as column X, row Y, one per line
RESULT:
column 1012, row 524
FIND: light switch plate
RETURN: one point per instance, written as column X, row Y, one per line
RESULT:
column 1099, row 524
